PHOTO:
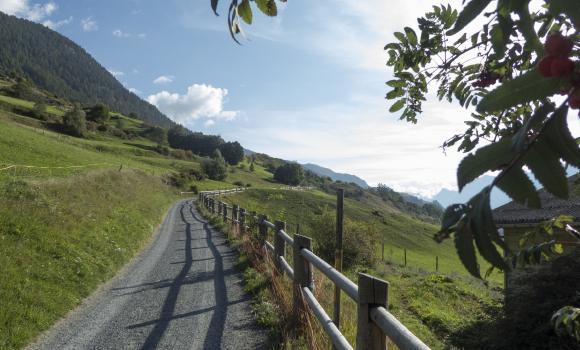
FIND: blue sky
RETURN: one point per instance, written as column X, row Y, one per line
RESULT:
column 307, row 85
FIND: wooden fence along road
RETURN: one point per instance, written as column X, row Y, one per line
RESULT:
column 374, row 322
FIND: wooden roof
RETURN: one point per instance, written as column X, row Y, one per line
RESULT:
column 514, row 213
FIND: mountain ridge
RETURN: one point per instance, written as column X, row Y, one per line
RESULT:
column 57, row 64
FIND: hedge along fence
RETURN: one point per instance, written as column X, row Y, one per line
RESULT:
column 374, row 322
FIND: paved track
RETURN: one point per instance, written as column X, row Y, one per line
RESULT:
column 183, row 292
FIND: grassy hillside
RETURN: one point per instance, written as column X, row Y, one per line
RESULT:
column 73, row 210
column 397, row 231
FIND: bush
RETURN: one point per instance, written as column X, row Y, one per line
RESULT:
column 100, row 113
column 239, row 184
column 359, row 240
column 39, row 111
column 75, row 123
column 215, row 168
column 289, row 174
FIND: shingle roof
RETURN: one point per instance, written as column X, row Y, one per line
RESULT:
column 515, row 213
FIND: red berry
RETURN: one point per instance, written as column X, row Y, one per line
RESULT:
column 562, row 66
column 558, row 45
column 545, row 66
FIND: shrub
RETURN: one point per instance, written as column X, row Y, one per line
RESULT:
column 239, row 183
column 39, row 110
column 215, row 168
column 289, row 174
column 75, row 123
column 100, row 113
column 359, row 240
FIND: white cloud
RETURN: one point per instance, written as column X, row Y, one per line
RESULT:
column 208, row 123
column 135, row 91
column 164, row 79
column 116, row 73
column 55, row 25
column 120, row 34
column 89, row 24
column 22, row 8
column 200, row 101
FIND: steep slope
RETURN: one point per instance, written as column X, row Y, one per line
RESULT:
column 57, row 64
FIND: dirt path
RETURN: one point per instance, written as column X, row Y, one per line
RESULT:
column 182, row 292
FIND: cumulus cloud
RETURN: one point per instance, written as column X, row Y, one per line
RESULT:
column 164, row 79
column 35, row 12
column 135, row 91
column 208, row 123
column 55, row 25
column 89, row 24
column 200, row 101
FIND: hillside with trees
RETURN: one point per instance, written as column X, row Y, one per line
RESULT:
column 58, row 65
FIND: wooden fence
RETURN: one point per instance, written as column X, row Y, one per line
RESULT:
column 374, row 322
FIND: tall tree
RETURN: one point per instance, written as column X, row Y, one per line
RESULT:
column 233, row 152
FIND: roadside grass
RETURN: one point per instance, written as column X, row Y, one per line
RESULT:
column 61, row 238
column 437, row 308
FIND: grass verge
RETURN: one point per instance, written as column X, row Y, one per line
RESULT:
column 61, row 238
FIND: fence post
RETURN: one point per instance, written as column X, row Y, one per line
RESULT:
column 253, row 220
column 338, row 251
column 263, row 229
column 279, row 245
column 436, row 263
column 225, row 208
column 372, row 292
column 220, row 208
column 242, row 220
column 302, row 271
column 405, row 250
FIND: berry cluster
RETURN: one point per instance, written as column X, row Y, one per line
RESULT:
column 557, row 63
column 485, row 79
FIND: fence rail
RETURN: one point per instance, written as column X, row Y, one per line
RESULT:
column 374, row 322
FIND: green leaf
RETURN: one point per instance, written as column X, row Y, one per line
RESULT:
column 465, row 249
column 396, row 83
column 546, row 166
column 402, row 38
column 516, row 184
column 484, row 229
column 452, row 214
column 245, row 11
column 569, row 7
column 490, row 157
column 559, row 137
column 268, row 7
column 519, row 139
column 395, row 93
column 214, row 4
column 411, row 36
column 397, row 105
column 498, row 40
column 468, row 14
column 529, row 86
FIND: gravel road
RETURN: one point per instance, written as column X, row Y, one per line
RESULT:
column 182, row 292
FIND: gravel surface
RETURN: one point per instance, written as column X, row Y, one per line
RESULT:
column 182, row 292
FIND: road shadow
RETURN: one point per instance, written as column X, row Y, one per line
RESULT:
column 168, row 308
column 213, row 338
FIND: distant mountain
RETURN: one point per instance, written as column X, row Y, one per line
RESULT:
column 498, row 198
column 322, row 171
column 447, row 197
column 58, row 65
column 416, row 200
